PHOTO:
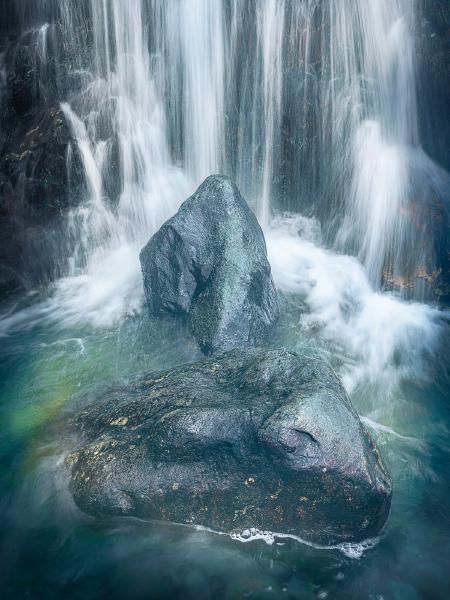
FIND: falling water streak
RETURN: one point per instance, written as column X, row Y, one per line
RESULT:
column 43, row 42
column 386, row 125
column 92, row 162
column 270, row 20
column 202, row 50
column 127, row 122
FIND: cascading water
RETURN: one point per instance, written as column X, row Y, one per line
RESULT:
column 311, row 106
column 121, row 131
column 392, row 181
column 308, row 105
column 201, row 28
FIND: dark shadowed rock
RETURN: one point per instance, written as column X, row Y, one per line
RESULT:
column 209, row 263
column 41, row 178
column 250, row 438
column 41, row 172
column 433, row 78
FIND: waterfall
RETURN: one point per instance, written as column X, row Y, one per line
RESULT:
column 310, row 106
column 133, row 185
column 331, row 117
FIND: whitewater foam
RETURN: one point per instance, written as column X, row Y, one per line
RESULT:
column 252, row 534
column 384, row 339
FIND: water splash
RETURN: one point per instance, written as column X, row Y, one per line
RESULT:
column 384, row 339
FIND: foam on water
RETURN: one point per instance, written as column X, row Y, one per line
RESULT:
column 252, row 534
column 384, row 338
column 100, row 296
column 379, row 428
column 108, row 290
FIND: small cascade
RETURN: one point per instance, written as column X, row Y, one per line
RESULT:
column 383, row 137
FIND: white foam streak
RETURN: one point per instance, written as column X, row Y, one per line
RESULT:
column 92, row 159
column 252, row 534
column 379, row 428
column 378, row 194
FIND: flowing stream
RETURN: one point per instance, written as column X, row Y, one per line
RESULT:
column 310, row 106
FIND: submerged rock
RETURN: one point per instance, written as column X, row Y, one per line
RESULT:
column 250, row 438
column 209, row 264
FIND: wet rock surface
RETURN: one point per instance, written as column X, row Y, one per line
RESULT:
column 250, row 438
column 41, row 178
column 424, row 272
column 209, row 265
column 433, row 42
column 433, row 46
column 41, row 172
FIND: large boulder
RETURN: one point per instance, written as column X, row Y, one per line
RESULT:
column 250, row 438
column 209, row 264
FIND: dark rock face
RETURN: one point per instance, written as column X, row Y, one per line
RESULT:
column 250, row 438
column 424, row 272
column 209, row 264
column 433, row 42
column 421, row 269
column 41, row 177
column 41, row 172
column 37, row 175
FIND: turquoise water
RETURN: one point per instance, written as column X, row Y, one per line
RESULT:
column 50, row 550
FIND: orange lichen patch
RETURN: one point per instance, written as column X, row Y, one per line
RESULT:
column 408, row 281
column 422, row 273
